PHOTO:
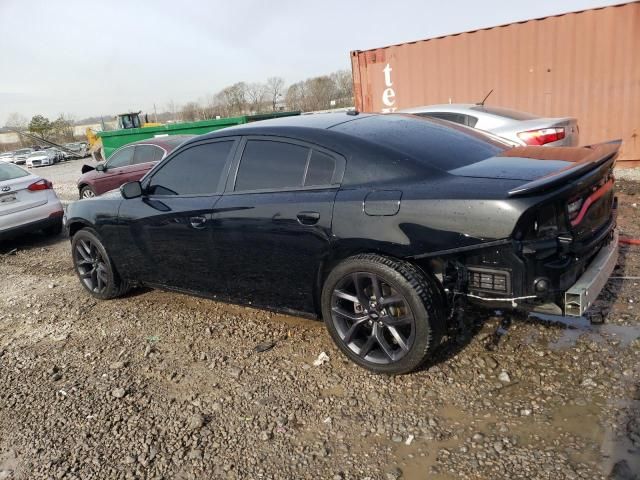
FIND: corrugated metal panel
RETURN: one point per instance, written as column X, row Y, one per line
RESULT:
column 584, row 64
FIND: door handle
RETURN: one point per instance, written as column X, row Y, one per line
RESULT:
column 198, row 222
column 308, row 218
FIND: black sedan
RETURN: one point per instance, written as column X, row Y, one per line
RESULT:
column 379, row 224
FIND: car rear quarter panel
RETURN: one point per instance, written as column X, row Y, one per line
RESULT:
column 433, row 217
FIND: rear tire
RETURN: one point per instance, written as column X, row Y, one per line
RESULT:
column 384, row 314
column 94, row 267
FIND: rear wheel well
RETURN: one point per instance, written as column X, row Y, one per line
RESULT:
column 426, row 266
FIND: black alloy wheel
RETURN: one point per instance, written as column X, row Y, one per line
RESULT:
column 384, row 314
column 91, row 267
column 94, row 267
column 372, row 318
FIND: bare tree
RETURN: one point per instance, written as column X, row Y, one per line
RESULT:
column 275, row 90
column 343, row 82
column 234, row 99
column 62, row 128
column 191, row 112
column 171, row 106
column 256, row 94
column 17, row 121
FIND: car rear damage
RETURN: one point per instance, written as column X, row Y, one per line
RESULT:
column 563, row 248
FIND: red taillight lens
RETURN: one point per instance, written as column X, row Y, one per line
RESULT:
column 40, row 185
column 542, row 136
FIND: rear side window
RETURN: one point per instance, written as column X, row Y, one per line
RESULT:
column 320, row 171
column 271, row 165
column 460, row 118
column 147, row 153
column 445, row 147
column 121, row 158
column 8, row 171
column 194, row 171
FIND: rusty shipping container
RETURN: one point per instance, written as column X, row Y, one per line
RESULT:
column 584, row 64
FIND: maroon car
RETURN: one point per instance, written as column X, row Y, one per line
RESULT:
column 127, row 164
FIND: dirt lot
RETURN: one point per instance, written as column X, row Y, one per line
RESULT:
column 162, row 385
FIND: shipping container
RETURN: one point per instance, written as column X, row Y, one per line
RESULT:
column 582, row 64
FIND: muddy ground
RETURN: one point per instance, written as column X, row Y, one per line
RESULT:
column 162, row 385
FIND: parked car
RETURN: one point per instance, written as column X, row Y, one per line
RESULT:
column 41, row 158
column 519, row 127
column 58, row 155
column 381, row 224
column 126, row 164
column 20, row 155
column 27, row 203
column 81, row 148
column 6, row 157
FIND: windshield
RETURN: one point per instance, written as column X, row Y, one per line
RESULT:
column 23, row 151
column 504, row 112
column 9, row 171
column 37, row 154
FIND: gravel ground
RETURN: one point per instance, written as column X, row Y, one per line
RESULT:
column 162, row 385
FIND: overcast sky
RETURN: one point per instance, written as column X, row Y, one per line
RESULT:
column 89, row 58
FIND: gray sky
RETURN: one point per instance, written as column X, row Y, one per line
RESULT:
column 101, row 57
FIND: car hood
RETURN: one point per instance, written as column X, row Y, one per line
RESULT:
column 527, row 163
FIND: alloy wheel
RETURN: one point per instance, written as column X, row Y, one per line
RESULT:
column 91, row 266
column 88, row 193
column 372, row 318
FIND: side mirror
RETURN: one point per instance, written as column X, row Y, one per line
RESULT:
column 131, row 190
column 100, row 167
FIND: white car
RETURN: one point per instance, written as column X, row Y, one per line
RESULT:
column 520, row 128
column 27, row 203
column 6, row 157
column 41, row 158
column 20, row 155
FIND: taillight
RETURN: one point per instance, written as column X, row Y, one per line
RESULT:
column 40, row 185
column 542, row 136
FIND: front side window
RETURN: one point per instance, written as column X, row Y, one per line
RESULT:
column 147, row 153
column 194, row 171
column 121, row 158
column 267, row 164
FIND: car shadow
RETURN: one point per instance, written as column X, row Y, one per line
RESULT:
column 28, row 241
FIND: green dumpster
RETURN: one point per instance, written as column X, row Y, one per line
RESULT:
column 114, row 139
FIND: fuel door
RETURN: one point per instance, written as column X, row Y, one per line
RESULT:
column 382, row 203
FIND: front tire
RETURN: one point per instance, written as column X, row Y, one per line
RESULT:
column 87, row 192
column 94, row 267
column 384, row 314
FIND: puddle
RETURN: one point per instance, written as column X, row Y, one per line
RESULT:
column 576, row 327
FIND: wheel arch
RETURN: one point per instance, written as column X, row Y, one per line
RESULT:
column 339, row 254
column 74, row 226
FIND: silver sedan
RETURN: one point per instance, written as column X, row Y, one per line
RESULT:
column 519, row 127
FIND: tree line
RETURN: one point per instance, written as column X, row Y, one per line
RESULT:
column 323, row 92
column 317, row 93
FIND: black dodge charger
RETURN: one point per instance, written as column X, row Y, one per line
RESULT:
column 379, row 224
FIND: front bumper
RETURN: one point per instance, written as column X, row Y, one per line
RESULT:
column 584, row 292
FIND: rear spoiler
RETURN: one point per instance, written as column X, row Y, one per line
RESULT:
column 595, row 156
